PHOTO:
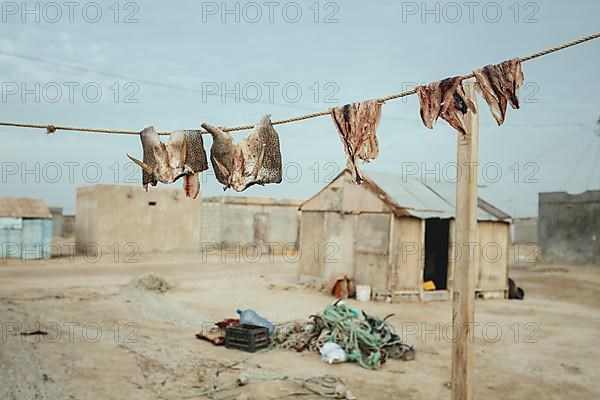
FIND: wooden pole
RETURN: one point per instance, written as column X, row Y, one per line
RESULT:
column 467, row 256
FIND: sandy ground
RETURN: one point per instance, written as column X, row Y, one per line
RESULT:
column 109, row 341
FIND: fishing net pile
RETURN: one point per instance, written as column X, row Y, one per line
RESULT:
column 366, row 339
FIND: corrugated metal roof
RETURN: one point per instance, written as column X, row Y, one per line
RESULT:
column 428, row 199
column 23, row 207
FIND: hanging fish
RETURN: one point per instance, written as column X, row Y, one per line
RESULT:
column 256, row 160
column 183, row 156
column 188, row 158
column 499, row 85
column 445, row 99
column 357, row 123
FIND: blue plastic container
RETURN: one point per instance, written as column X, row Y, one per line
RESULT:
column 250, row 317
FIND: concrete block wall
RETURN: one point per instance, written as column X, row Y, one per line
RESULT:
column 229, row 221
column 211, row 221
column 569, row 228
column 159, row 220
column 524, row 230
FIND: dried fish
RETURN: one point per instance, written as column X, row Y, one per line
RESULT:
column 357, row 125
column 499, row 85
column 445, row 99
column 183, row 156
column 256, row 160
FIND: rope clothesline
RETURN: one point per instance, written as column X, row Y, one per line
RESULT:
column 53, row 128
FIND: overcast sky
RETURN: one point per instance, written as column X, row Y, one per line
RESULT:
column 128, row 65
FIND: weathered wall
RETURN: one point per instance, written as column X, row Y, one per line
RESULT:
column 57, row 221
column 492, row 268
column 25, row 238
column 68, row 229
column 211, row 221
column 326, row 245
column 239, row 221
column 86, row 220
column 334, row 244
column 524, row 230
column 312, row 232
column 569, row 228
column 160, row 220
column 11, row 234
column 371, row 250
column 337, row 250
column 408, row 254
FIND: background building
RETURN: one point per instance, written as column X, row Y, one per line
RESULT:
column 235, row 221
column 57, row 221
column 569, row 228
column 393, row 233
column 25, row 228
column 524, row 230
column 158, row 220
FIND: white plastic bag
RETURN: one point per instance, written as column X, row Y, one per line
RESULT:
column 332, row 353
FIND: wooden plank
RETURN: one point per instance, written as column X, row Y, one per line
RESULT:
column 463, row 297
column 409, row 255
column 451, row 256
column 493, row 258
column 422, row 261
column 391, row 251
column 312, row 237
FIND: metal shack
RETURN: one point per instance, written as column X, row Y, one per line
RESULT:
column 124, row 218
column 25, row 228
column 393, row 233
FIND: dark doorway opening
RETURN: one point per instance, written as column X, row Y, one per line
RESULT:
column 437, row 234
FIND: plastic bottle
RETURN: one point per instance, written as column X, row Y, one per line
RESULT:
column 249, row 317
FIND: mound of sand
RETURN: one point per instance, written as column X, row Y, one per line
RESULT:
column 150, row 282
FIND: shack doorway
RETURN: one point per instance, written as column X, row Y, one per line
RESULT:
column 437, row 234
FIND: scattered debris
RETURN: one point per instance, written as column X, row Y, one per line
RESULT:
column 216, row 333
column 301, row 335
column 33, row 333
column 342, row 287
column 365, row 339
column 249, row 338
column 332, row 353
column 243, row 379
column 429, row 285
column 515, row 292
column 150, row 282
column 571, row 368
column 325, row 386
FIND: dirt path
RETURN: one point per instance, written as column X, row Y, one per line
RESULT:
column 117, row 342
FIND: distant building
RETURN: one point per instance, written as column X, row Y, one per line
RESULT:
column 57, row 221
column 136, row 221
column 25, row 228
column 524, row 231
column 394, row 233
column 237, row 222
column 68, row 229
column 569, row 228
